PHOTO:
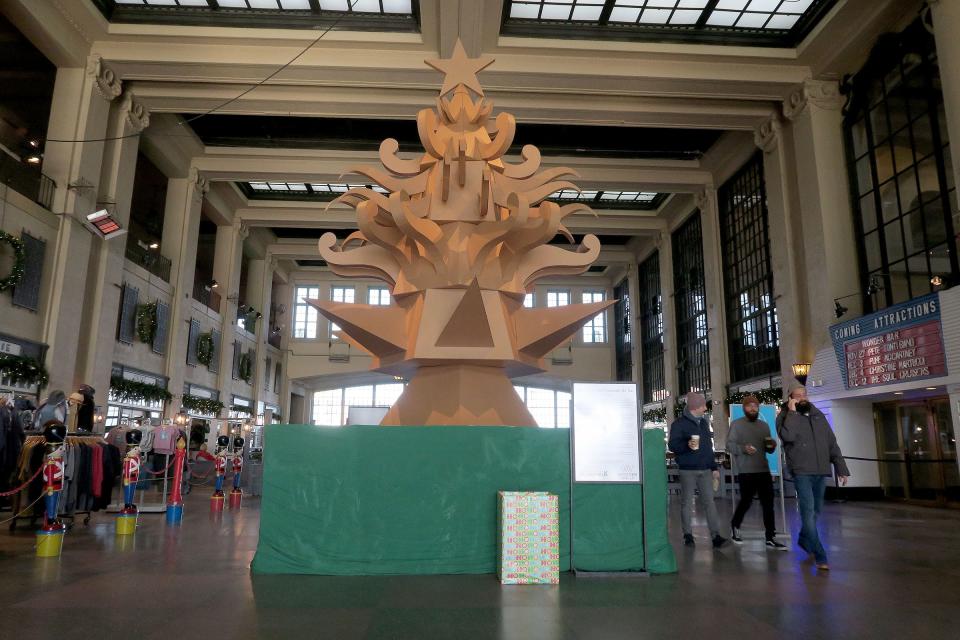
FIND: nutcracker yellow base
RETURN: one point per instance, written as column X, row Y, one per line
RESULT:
column 126, row 524
column 49, row 544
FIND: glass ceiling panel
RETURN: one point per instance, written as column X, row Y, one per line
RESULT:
column 357, row 6
column 690, row 17
column 330, row 190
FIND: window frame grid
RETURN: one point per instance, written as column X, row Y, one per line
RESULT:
column 332, row 326
column 651, row 329
column 311, row 315
column 753, row 338
column 690, row 304
column 865, row 104
column 596, row 326
column 622, row 324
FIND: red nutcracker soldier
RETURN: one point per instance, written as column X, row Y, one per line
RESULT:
column 50, row 535
column 220, row 467
column 127, row 518
column 175, row 504
column 236, row 494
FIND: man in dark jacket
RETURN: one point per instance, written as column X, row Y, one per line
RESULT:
column 692, row 442
column 810, row 447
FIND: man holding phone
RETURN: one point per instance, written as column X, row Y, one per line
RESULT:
column 810, row 447
column 748, row 442
column 692, row 442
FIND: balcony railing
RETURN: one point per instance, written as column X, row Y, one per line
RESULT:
column 150, row 260
column 206, row 296
column 27, row 180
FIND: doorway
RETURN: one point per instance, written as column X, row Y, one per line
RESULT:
column 918, row 449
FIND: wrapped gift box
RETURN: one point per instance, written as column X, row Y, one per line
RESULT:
column 528, row 537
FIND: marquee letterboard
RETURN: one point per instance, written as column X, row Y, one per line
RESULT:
column 896, row 345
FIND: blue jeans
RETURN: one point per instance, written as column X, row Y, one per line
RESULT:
column 810, row 501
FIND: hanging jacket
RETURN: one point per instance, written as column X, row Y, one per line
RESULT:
column 680, row 432
column 809, row 443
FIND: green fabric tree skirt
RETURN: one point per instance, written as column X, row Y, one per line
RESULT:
column 423, row 500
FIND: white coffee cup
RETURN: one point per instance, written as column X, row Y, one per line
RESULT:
column 694, row 442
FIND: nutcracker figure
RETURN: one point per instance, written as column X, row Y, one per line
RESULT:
column 175, row 503
column 236, row 494
column 50, row 536
column 220, row 468
column 127, row 518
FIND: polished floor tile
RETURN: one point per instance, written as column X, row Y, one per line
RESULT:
column 896, row 574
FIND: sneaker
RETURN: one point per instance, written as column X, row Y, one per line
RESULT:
column 719, row 541
column 777, row 546
column 688, row 540
column 823, row 566
column 735, row 535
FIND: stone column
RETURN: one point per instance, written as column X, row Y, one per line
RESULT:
column 74, row 153
column 946, row 26
column 665, row 255
column 284, row 294
column 636, row 361
column 786, row 245
column 260, row 290
column 127, row 119
column 706, row 201
column 226, row 271
column 826, row 220
column 181, row 224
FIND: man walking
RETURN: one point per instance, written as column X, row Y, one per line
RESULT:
column 692, row 442
column 810, row 447
column 748, row 442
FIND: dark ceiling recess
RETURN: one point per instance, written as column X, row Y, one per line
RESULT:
column 311, row 263
column 605, row 240
column 27, row 78
column 764, row 23
column 366, row 134
column 301, row 232
column 268, row 14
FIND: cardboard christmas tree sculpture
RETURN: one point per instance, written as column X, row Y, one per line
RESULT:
column 459, row 235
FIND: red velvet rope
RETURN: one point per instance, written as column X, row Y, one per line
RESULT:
column 24, row 485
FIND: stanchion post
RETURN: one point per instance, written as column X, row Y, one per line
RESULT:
column 50, row 535
column 127, row 517
column 175, row 503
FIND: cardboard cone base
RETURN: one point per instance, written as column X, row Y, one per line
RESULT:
column 459, row 394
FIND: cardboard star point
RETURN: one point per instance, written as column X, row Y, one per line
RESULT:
column 458, row 70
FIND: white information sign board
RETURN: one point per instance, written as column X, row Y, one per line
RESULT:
column 606, row 442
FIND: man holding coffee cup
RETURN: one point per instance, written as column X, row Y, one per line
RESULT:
column 810, row 448
column 748, row 442
column 692, row 442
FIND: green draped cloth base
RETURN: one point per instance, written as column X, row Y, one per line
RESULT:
column 368, row 500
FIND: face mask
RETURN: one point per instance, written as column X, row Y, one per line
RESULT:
column 752, row 415
column 803, row 407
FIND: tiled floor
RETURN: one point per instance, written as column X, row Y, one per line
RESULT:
column 896, row 574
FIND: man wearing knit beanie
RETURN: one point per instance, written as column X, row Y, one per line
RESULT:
column 748, row 442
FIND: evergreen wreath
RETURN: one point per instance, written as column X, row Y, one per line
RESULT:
column 205, row 349
column 147, row 322
column 206, row 406
column 133, row 391
column 239, row 408
column 245, row 368
column 655, row 415
column 23, row 370
column 13, row 278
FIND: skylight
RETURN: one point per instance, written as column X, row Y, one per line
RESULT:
column 688, row 17
column 360, row 6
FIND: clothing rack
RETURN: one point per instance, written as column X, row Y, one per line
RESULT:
column 72, row 439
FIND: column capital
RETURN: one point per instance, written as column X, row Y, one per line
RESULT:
column 105, row 80
column 821, row 93
column 704, row 199
column 243, row 231
column 200, row 184
column 136, row 114
column 767, row 135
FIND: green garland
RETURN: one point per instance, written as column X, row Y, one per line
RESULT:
column 245, row 368
column 13, row 278
column 132, row 391
column 655, row 415
column 23, row 370
column 147, row 322
column 205, row 406
column 772, row 395
column 238, row 408
column 205, row 349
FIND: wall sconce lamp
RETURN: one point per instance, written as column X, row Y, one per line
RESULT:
column 800, row 371
column 181, row 419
